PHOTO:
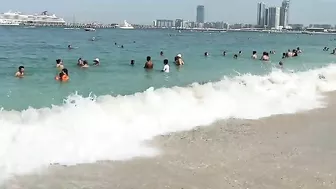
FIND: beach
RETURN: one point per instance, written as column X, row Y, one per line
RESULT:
column 282, row 151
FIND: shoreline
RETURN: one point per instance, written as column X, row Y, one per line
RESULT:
column 282, row 151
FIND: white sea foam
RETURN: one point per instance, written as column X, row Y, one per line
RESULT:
column 114, row 128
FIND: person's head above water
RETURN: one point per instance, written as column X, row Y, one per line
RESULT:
column 64, row 70
column 132, row 62
column 254, row 52
column 206, row 54
column 58, row 61
column 148, row 58
column 235, row 56
column 165, row 61
column 96, row 61
column 21, row 69
column 161, row 53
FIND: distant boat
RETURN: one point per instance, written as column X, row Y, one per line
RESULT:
column 126, row 26
column 89, row 29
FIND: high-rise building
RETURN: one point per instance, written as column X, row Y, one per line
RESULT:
column 266, row 17
column 200, row 14
column 274, row 17
column 261, row 14
column 284, row 13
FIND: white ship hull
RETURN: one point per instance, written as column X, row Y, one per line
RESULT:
column 126, row 28
column 9, row 24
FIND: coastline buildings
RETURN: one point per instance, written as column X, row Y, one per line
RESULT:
column 261, row 14
column 274, row 18
column 200, row 14
column 284, row 13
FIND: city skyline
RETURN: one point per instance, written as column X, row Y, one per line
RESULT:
column 115, row 11
column 274, row 16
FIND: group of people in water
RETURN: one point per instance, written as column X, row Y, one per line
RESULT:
column 149, row 63
column 63, row 74
column 327, row 49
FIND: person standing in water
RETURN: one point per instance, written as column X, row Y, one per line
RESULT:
column 80, row 62
column 178, row 60
column 166, row 66
column 149, row 64
column 59, row 64
column 85, row 64
column 254, row 55
column 96, row 62
column 20, row 72
column 63, row 75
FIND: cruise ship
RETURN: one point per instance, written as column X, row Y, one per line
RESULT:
column 42, row 19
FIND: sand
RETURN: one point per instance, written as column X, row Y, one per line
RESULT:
column 279, row 152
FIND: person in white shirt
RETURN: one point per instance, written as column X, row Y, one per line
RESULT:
column 166, row 66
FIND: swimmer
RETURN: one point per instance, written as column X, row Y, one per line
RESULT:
column 280, row 66
column 149, row 64
column 161, row 53
column 240, row 52
column 63, row 75
column 166, row 66
column 224, row 53
column 85, row 64
column 96, row 62
column 93, row 39
column 298, row 50
column 265, row 56
column 206, row 54
column 132, row 62
column 284, row 55
column 254, row 55
column 70, row 47
column 20, row 72
column 80, row 62
column 122, row 46
column 178, row 60
column 235, row 56
column 115, row 44
column 59, row 64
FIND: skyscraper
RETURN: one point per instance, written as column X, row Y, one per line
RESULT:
column 261, row 14
column 284, row 13
column 266, row 17
column 274, row 17
column 200, row 14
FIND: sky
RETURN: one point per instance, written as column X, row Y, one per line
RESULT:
column 145, row 11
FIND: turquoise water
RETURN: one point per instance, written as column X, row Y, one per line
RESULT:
column 38, row 48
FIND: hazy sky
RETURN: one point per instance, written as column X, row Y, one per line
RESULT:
column 145, row 11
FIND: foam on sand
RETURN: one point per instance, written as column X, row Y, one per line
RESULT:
column 86, row 130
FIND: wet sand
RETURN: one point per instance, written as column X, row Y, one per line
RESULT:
column 284, row 151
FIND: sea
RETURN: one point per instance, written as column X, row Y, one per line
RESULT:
column 108, row 112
